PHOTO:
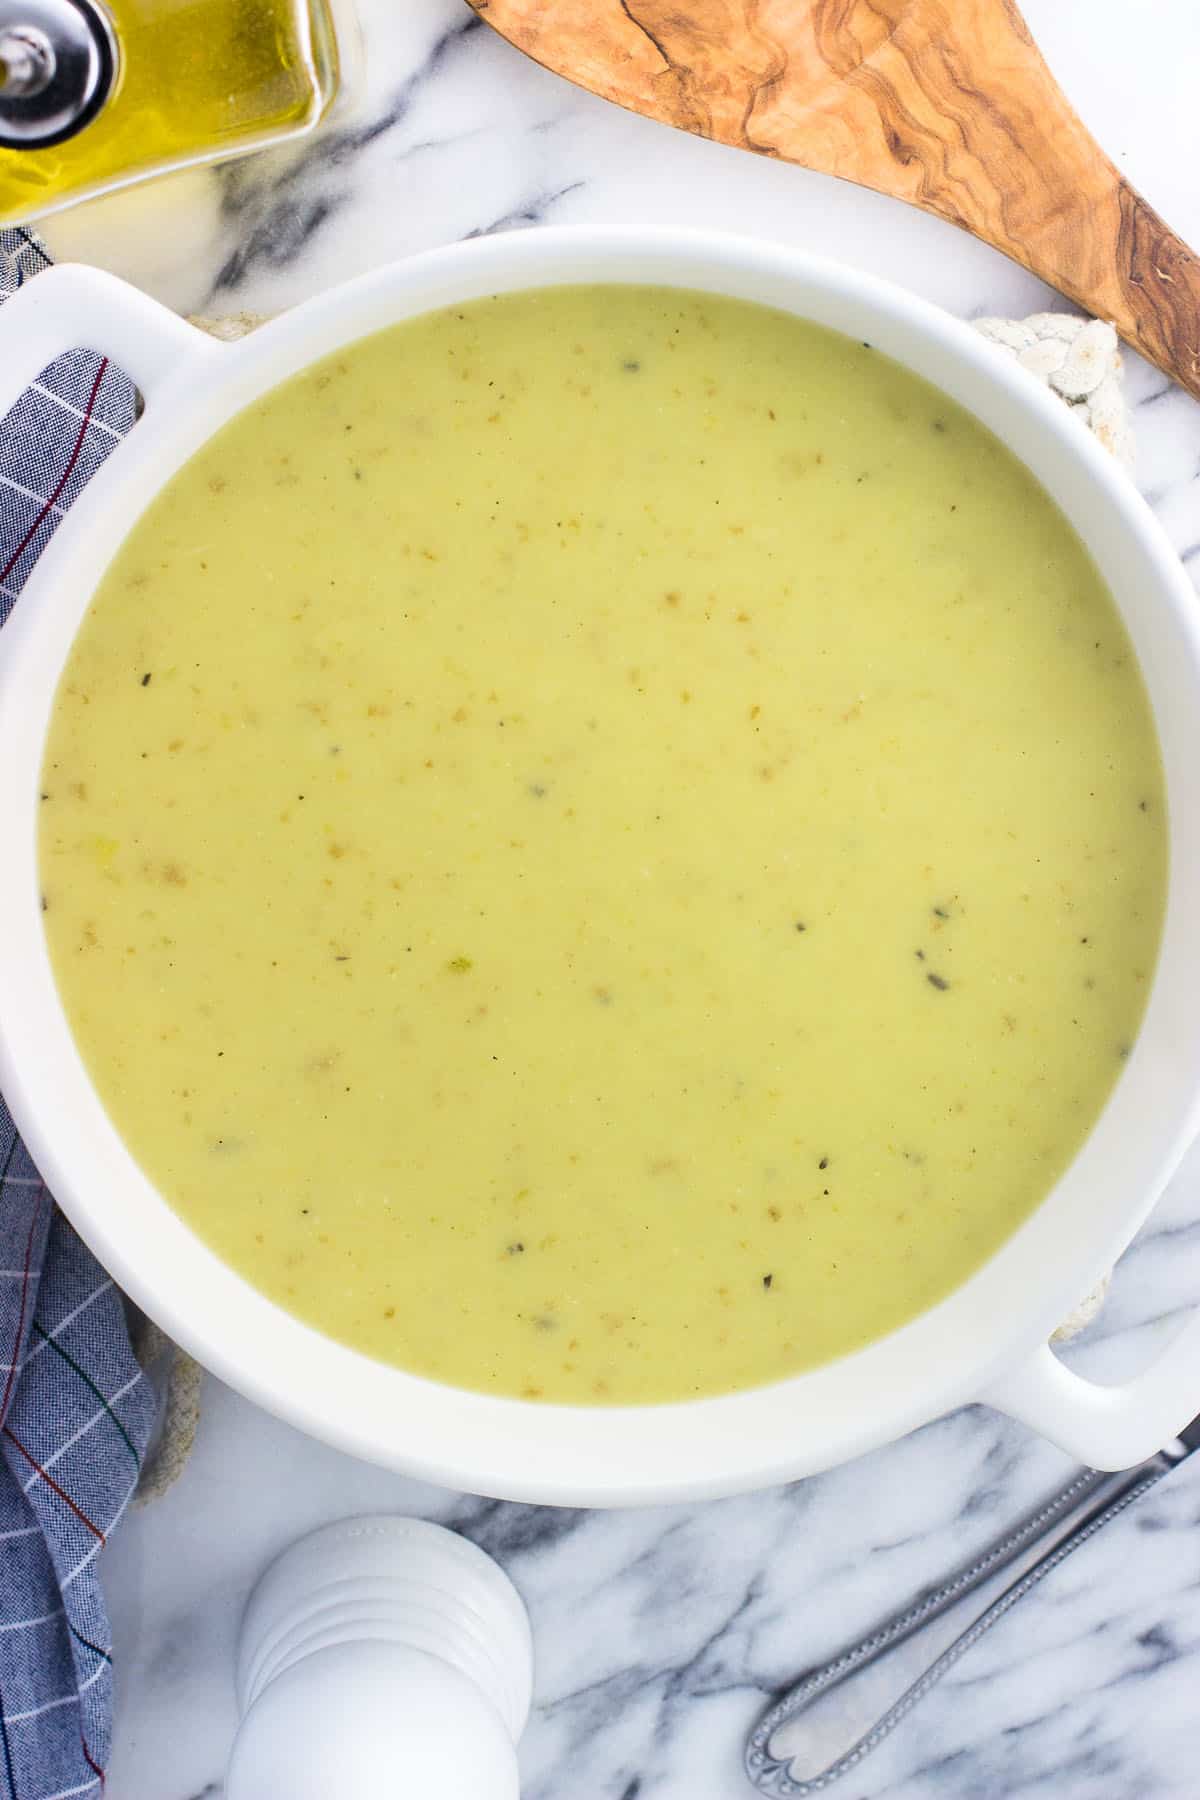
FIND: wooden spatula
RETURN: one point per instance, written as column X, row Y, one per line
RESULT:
column 943, row 103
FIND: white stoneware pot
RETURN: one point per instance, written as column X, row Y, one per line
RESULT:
column 988, row 1340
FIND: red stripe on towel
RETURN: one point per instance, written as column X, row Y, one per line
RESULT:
column 93, row 1766
column 25, row 542
column 53, row 1485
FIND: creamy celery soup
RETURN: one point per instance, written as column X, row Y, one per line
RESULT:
column 603, row 845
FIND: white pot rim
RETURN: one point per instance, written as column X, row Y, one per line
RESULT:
column 985, row 1340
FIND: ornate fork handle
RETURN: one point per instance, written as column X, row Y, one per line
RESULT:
column 834, row 1716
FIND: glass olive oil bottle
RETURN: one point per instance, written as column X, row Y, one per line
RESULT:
column 94, row 96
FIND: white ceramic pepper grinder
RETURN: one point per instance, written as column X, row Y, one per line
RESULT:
column 381, row 1659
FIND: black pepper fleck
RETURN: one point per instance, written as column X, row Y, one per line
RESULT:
column 767, row 1280
column 145, row 681
column 937, row 981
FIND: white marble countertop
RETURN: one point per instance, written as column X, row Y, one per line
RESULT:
column 660, row 1634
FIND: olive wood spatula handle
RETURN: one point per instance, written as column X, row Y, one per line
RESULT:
column 947, row 104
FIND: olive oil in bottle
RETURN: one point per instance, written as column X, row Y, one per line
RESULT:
column 93, row 96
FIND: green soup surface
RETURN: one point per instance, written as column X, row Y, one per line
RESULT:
column 603, row 845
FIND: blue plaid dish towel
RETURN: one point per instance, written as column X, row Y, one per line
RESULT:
column 76, row 1411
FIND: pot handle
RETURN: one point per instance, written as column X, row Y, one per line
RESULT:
column 1107, row 1427
column 71, row 307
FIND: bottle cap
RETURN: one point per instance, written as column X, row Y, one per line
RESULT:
column 58, row 61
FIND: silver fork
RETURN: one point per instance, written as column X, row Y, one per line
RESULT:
column 828, row 1721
